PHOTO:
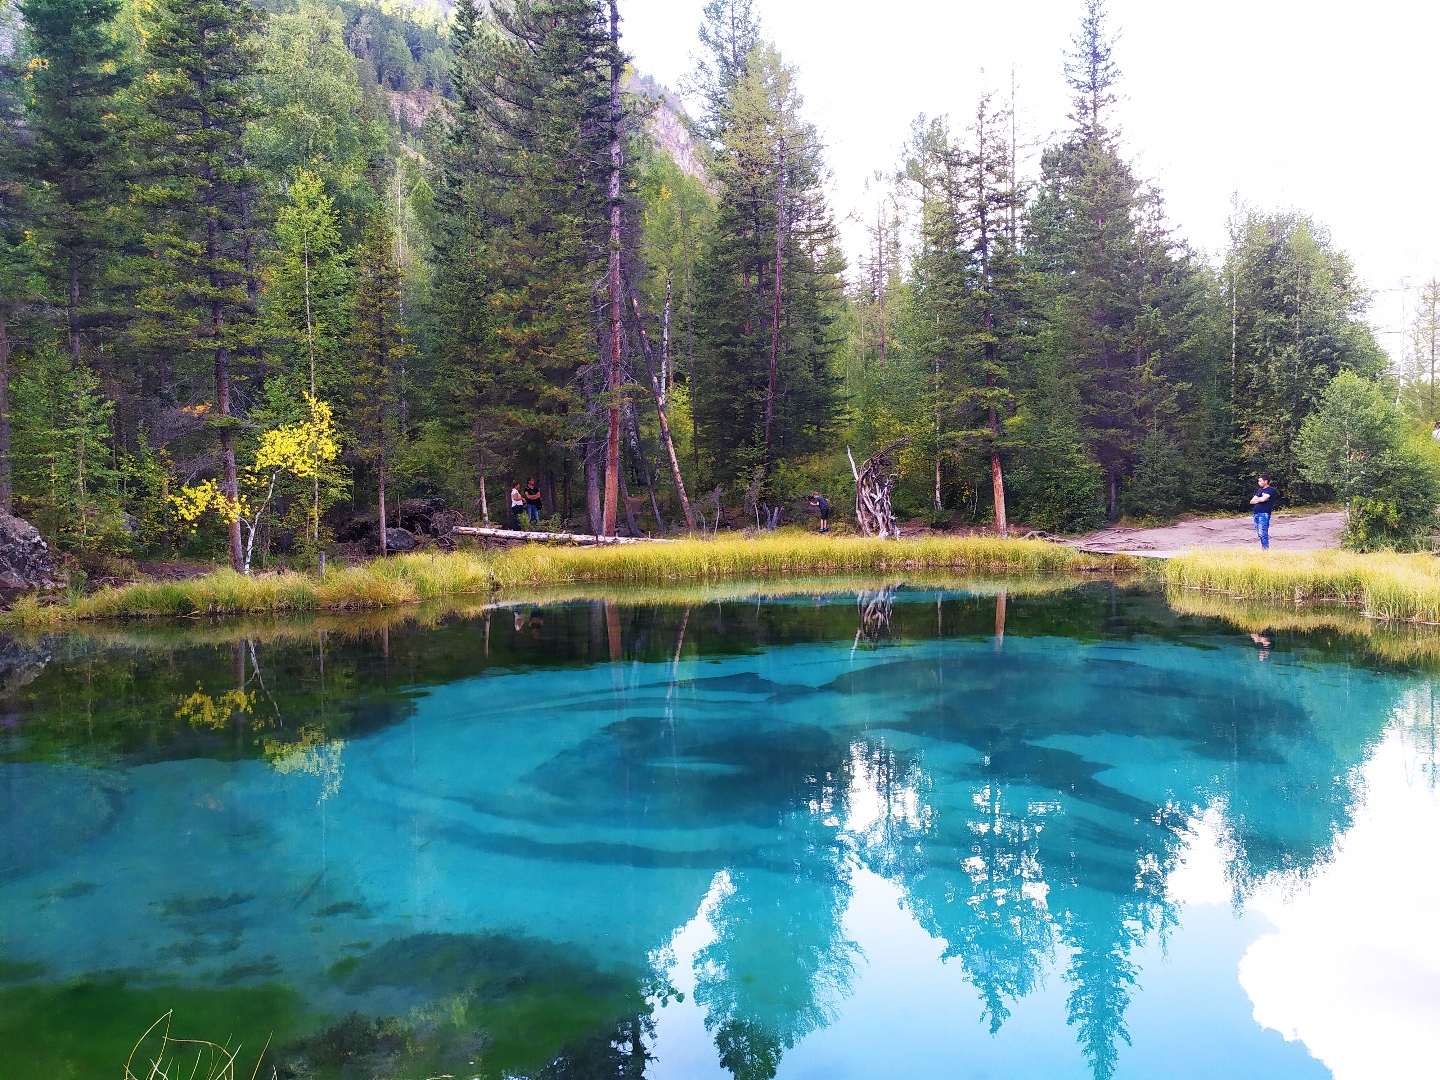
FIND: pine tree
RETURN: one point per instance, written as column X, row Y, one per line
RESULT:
column 201, row 192
column 1423, row 354
column 21, row 283
column 1297, row 322
column 524, row 224
column 1115, row 286
column 729, row 31
column 73, row 161
column 64, row 471
column 994, row 200
column 967, row 313
column 765, row 389
column 378, row 349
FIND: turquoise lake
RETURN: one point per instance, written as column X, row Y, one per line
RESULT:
column 905, row 832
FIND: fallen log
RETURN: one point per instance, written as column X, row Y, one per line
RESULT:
column 517, row 535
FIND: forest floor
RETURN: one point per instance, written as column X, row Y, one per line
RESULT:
column 1288, row 532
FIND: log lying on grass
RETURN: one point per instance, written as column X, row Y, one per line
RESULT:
column 520, row 535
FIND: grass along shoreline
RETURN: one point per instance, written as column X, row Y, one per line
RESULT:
column 1382, row 585
column 415, row 578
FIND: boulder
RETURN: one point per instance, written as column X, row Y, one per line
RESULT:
column 25, row 560
column 399, row 540
column 418, row 515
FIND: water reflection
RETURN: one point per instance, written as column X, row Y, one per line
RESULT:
column 533, row 840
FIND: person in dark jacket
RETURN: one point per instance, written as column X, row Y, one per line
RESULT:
column 1263, row 504
column 822, row 504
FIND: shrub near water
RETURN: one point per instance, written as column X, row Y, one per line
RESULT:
column 1387, row 586
column 417, row 577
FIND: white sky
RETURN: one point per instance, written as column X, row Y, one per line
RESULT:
column 1326, row 107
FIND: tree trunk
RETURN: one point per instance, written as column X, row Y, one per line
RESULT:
column 775, row 315
column 7, row 481
column 874, row 485
column 565, row 514
column 664, row 419
column 227, row 438
column 690, row 348
column 667, row 369
column 997, row 476
column 310, row 346
column 629, row 513
column 997, row 482
column 73, row 310
column 612, row 458
column 880, row 279
column 593, row 508
column 384, row 547
column 632, row 421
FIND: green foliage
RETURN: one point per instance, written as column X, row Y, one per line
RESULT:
column 316, row 116
column 523, row 222
column 78, row 65
column 1357, row 445
column 1055, row 484
column 65, row 477
column 760, row 137
column 1297, row 309
column 307, row 309
column 221, row 208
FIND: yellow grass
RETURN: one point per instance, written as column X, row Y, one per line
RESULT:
column 272, row 627
column 1405, row 643
column 414, row 578
column 1384, row 586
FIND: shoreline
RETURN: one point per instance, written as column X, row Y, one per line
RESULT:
column 420, row 577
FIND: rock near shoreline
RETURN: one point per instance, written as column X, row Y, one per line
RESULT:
column 25, row 559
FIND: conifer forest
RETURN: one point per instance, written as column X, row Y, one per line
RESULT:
column 272, row 271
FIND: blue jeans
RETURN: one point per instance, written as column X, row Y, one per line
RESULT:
column 1262, row 530
column 534, row 511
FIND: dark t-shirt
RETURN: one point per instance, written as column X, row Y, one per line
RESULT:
column 1270, row 505
column 532, row 495
column 824, row 505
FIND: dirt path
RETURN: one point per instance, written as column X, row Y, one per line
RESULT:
column 1288, row 532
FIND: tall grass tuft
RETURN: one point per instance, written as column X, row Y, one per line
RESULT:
column 1391, row 641
column 1385, row 586
column 423, row 576
column 159, row 1056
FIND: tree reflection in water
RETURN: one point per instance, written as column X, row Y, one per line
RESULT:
column 1023, row 770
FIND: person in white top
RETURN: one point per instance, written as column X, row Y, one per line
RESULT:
column 517, row 505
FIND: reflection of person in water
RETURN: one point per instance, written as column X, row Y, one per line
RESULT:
column 519, row 620
column 537, row 623
column 1263, row 640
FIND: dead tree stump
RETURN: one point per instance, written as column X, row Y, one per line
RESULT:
column 874, row 484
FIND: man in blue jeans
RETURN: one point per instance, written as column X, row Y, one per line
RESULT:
column 1263, row 503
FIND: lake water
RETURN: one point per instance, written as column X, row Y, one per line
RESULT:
column 918, row 832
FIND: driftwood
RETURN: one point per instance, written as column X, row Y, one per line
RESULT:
column 520, row 535
column 873, row 486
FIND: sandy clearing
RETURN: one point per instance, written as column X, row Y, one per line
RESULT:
column 1288, row 532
